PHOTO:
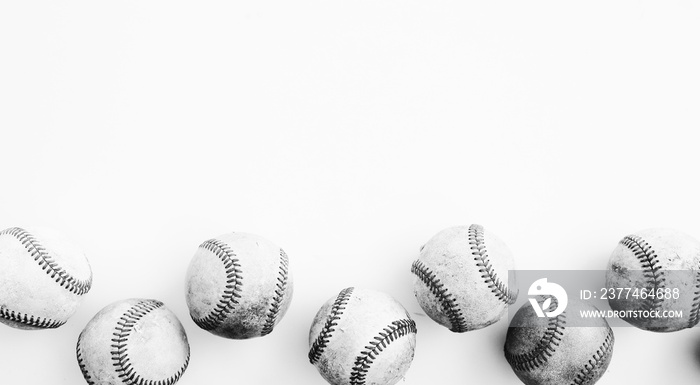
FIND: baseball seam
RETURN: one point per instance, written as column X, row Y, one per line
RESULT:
column 81, row 362
column 695, row 309
column 45, row 323
column 279, row 294
column 545, row 347
column 119, row 352
column 395, row 330
column 47, row 263
column 447, row 301
column 599, row 356
column 481, row 256
column 650, row 265
column 232, row 290
column 324, row 336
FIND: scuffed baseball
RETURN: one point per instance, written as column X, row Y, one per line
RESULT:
column 43, row 278
column 361, row 337
column 461, row 278
column 548, row 351
column 134, row 341
column 658, row 261
column 238, row 286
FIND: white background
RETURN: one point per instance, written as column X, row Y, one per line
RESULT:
column 349, row 133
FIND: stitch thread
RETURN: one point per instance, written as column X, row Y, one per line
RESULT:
column 395, row 330
column 598, row 357
column 120, row 356
column 535, row 358
column 324, row 336
column 37, row 322
column 232, row 291
column 695, row 310
column 47, row 263
column 478, row 247
column 81, row 362
column 650, row 263
column 448, row 302
column 279, row 294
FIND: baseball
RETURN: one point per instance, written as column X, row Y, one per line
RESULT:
column 547, row 351
column 238, row 286
column 362, row 337
column 661, row 267
column 461, row 278
column 43, row 278
column 135, row 342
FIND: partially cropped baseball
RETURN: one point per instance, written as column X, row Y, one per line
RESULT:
column 238, row 286
column 43, row 278
column 135, row 342
column 661, row 267
column 461, row 278
column 550, row 351
column 362, row 337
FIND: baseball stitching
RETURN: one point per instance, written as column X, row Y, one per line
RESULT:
column 447, row 301
column 695, row 309
column 81, row 362
column 279, row 294
column 395, row 330
column 598, row 357
column 120, row 355
column 38, row 322
column 481, row 256
column 47, row 263
column 545, row 347
column 324, row 336
column 650, row 263
column 232, row 292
